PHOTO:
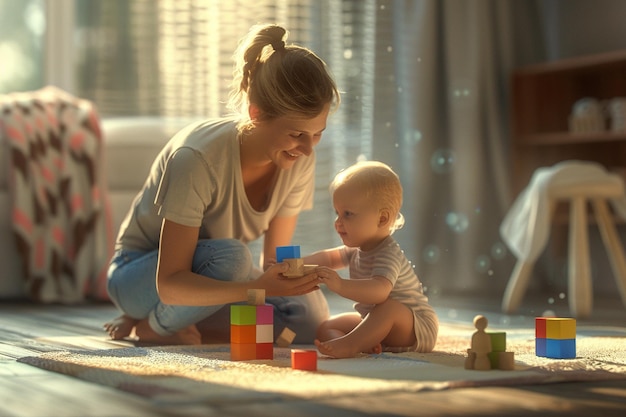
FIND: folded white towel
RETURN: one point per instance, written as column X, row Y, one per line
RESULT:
column 526, row 226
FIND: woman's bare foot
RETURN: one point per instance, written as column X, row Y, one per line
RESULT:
column 120, row 327
column 187, row 336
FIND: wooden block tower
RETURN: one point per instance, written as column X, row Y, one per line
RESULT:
column 555, row 337
column 252, row 329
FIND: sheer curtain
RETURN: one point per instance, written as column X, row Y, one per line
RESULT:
column 425, row 90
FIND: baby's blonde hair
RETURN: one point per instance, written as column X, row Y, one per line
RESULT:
column 279, row 79
column 379, row 184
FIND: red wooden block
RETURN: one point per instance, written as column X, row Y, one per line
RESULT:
column 265, row 350
column 540, row 327
column 305, row 360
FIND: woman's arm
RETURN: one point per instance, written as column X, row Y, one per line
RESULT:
column 279, row 233
column 177, row 284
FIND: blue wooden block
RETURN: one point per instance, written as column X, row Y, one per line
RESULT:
column 287, row 252
column 540, row 347
column 561, row 348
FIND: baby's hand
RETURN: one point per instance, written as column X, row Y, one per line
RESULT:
column 330, row 277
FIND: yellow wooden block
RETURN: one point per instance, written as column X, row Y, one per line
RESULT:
column 560, row 328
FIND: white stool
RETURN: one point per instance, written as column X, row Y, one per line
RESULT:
column 579, row 275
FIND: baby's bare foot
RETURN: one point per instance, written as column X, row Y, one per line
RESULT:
column 336, row 348
column 376, row 349
column 120, row 327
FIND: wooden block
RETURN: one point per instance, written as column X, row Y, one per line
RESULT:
column 242, row 314
column 506, row 361
column 560, row 328
column 286, row 252
column 265, row 351
column 561, row 348
column 265, row 314
column 494, row 359
column 286, row 337
column 470, row 359
column 555, row 327
column 498, row 341
column 256, row 297
column 540, row 347
column 307, row 269
column 264, row 333
column 540, row 327
column 296, row 266
column 243, row 333
column 303, row 359
column 243, row 351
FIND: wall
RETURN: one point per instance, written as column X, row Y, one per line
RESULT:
column 576, row 28
column 582, row 27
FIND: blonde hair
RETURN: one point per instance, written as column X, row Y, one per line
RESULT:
column 279, row 79
column 379, row 184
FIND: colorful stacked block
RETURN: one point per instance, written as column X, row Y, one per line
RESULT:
column 555, row 337
column 251, row 332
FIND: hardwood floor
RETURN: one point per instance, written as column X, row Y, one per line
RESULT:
column 27, row 329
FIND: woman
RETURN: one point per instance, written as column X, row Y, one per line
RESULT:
column 181, row 252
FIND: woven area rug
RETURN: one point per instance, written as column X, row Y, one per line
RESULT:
column 177, row 374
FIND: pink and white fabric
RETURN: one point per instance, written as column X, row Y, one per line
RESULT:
column 61, row 214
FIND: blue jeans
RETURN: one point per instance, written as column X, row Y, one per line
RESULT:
column 132, row 288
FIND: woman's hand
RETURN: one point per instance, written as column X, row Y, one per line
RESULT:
column 269, row 262
column 276, row 285
column 330, row 277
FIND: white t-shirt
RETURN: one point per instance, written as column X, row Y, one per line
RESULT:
column 196, row 181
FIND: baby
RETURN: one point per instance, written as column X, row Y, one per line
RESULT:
column 392, row 312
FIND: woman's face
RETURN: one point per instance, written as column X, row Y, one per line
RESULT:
column 285, row 139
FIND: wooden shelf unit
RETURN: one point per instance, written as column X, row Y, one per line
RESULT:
column 542, row 98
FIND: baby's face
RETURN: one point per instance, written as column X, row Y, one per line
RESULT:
column 358, row 220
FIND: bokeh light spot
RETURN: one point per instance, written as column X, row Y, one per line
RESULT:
column 431, row 254
column 457, row 222
column 442, row 161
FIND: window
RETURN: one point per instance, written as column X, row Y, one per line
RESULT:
column 22, row 30
column 173, row 58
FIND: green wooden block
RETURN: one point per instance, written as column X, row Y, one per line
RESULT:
column 494, row 359
column 498, row 341
column 242, row 314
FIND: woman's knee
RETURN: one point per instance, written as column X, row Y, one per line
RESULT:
column 223, row 259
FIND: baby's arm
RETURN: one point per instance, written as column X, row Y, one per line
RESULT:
column 374, row 290
column 330, row 258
